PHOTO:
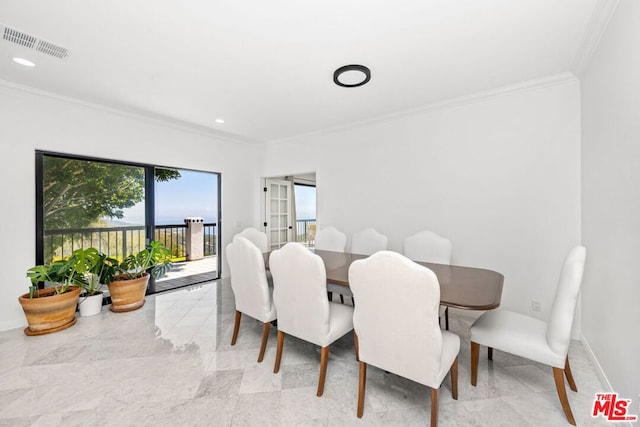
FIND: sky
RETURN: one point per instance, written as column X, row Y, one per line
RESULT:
column 305, row 202
column 195, row 194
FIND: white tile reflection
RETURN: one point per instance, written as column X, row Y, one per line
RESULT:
column 171, row 363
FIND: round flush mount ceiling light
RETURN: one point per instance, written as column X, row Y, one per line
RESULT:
column 351, row 75
column 24, row 62
column 219, row 120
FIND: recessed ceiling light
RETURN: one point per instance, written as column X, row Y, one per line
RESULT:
column 219, row 120
column 24, row 62
column 351, row 75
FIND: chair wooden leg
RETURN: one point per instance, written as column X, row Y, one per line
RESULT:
column 475, row 355
column 446, row 318
column 434, row 407
column 361, row 385
column 558, row 376
column 324, row 358
column 569, row 375
column 355, row 344
column 236, row 328
column 276, row 367
column 341, row 299
column 330, row 295
column 454, row 379
column 265, row 337
column 490, row 353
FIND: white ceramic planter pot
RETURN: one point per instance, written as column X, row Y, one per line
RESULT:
column 90, row 306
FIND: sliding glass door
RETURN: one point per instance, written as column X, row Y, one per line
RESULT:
column 186, row 221
column 118, row 207
column 83, row 205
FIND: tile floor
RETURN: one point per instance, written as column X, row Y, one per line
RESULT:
column 171, row 364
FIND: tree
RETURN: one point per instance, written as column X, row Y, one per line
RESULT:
column 79, row 192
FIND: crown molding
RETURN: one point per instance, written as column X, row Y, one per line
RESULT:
column 535, row 84
column 147, row 116
column 602, row 13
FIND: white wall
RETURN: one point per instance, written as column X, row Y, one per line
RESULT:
column 611, row 201
column 29, row 122
column 500, row 176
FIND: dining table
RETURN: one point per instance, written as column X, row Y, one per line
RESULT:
column 467, row 288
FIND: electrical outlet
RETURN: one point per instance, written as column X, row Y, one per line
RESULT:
column 536, row 305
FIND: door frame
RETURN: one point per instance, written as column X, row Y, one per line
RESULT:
column 304, row 178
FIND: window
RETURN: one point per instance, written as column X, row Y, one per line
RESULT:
column 84, row 202
column 305, row 200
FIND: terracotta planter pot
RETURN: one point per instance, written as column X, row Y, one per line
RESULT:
column 50, row 312
column 128, row 295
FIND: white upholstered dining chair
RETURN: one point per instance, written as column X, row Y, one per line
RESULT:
column 427, row 246
column 253, row 296
column 257, row 237
column 401, row 335
column 300, row 296
column 368, row 242
column 534, row 339
column 332, row 239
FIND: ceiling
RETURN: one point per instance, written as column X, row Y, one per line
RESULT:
column 266, row 67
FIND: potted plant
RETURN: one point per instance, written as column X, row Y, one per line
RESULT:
column 53, row 308
column 127, row 290
column 98, row 269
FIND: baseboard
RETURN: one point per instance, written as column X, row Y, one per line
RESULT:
column 592, row 357
column 12, row 324
column 601, row 375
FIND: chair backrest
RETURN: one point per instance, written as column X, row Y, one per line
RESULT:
column 565, row 300
column 400, row 334
column 257, row 237
column 330, row 239
column 300, row 293
column 428, row 246
column 249, row 280
column 368, row 241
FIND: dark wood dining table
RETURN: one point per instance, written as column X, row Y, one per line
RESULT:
column 467, row 288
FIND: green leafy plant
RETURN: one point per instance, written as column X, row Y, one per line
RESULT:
column 60, row 272
column 154, row 259
column 97, row 268
column 90, row 269
column 86, row 268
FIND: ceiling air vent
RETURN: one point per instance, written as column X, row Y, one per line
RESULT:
column 19, row 37
column 32, row 42
column 52, row 49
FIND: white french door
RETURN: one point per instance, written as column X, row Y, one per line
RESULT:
column 278, row 214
